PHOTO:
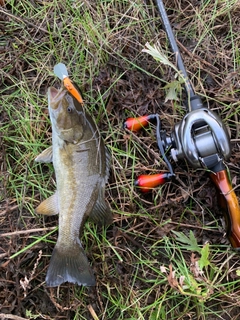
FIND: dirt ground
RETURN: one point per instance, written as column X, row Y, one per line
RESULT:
column 138, row 93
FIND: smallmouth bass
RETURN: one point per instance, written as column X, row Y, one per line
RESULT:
column 81, row 163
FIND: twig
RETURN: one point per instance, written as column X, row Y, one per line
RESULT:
column 155, row 154
column 235, row 140
column 52, row 298
column 93, row 313
column 2, row 255
column 25, row 282
column 196, row 57
column 25, row 21
column 2, row 213
column 11, row 316
column 9, row 234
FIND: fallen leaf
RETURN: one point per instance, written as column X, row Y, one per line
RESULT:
column 171, row 278
column 194, row 266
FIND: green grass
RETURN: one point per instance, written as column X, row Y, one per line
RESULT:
column 144, row 265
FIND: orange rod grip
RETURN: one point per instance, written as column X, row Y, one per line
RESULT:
column 230, row 205
column 72, row 90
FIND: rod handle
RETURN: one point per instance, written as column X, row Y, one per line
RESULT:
column 230, row 206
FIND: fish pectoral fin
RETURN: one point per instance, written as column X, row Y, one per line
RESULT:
column 49, row 206
column 101, row 212
column 45, row 156
column 69, row 265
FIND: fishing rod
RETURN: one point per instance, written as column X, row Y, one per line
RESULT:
column 200, row 138
column 195, row 101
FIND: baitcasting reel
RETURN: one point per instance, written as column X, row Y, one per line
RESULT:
column 201, row 138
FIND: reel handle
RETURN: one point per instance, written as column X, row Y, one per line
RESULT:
column 136, row 124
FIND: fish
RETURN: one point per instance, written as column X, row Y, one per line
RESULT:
column 81, row 163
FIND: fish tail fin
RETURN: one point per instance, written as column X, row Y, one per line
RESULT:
column 69, row 266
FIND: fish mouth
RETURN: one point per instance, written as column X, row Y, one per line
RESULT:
column 54, row 96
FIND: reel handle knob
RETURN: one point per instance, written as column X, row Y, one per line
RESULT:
column 147, row 182
column 136, row 124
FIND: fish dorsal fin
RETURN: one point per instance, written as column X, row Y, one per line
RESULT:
column 101, row 212
column 49, row 206
column 45, row 156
